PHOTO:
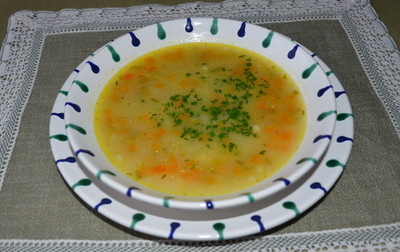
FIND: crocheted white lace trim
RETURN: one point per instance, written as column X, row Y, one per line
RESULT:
column 27, row 32
column 377, row 238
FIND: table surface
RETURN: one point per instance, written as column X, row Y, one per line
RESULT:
column 387, row 10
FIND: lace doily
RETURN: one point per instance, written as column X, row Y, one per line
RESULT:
column 376, row 50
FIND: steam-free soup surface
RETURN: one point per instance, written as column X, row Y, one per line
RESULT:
column 200, row 119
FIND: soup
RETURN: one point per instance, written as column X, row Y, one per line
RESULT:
column 200, row 119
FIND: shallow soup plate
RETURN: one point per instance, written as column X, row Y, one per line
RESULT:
column 311, row 80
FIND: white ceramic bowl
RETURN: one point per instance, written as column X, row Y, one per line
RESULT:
column 309, row 76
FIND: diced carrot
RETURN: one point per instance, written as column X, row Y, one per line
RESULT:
column 237, row 170
column 128, row 76
column 151, row 68
column 149, row 60
column 286, row 135
column 131, row 147
column 261, row 105
column 256, row 159
column 159, row 85
column 159, row 133
column 157, row 169
column 269, row 129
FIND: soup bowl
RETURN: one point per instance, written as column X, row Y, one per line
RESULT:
column 311, row 80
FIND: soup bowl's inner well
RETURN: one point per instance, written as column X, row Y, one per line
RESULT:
column 183, row 117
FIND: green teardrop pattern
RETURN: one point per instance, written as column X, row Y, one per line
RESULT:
column 311, row 159
column 343, row 116
column 161, row 34
column 100, row 173
column 59, row 137
column 250, row 197
column 267, row 41
column 291, row 206
column 219, row 227
column 166, row 201
column 63, row 92
column 115, row 56
column 324, row 115
column 137, row 218
column 307, row 73
column 81, row 85
column 76, row 127
column 334, row 163
column 82, row 182
column 214, row 27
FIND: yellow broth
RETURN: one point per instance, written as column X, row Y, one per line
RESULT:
column 200, row 119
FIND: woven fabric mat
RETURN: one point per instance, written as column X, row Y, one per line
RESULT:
column 39, row 211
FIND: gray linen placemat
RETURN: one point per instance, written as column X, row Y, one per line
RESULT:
column 35, row 203
column 34, row 193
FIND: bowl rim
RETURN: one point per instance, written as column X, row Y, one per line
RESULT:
column 192, row 203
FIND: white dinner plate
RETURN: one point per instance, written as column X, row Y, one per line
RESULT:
column 217, row 224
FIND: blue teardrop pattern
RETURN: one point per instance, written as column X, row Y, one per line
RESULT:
column 134, row 40
column 342, row 139
column 242, row 31
column 174, row 226
column 188, row 26
column 284, row 180
column 322, row 91
column 104, row 201
column 130, row 190
column 339, row 93
column 257, row 219
column 320, row 137
column 85, row 152
column 66, row 160
column 74, row 106
column 209, row 204
column 95, row 68
column 292, row 53
column 317, row 185
column 59, row 115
